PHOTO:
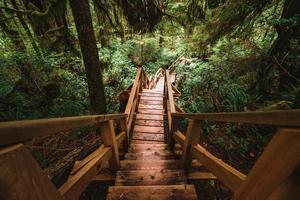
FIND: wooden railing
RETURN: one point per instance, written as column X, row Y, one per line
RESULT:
column 140, row 81
column 274, row 175
column 22, row 178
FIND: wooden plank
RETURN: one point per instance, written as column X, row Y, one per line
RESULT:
column 18, row 131
column 131, row 116
column 151, row 102
column 148, row 137
column 178, row 108
column 151, row 94
column 150, row 117
column 151, row 111
column 161, row 192
column 145, row 142
column 192, row 137
column 145, row 147
column 134, row 91
column 150, row 177
column 286, row 118
column 152, row 91
column 169, row 92
column 149, row 165
column 109, row 140
column 278, row 161
column 289, row 189
column 231, row 177
column 149, row 156
column 142, row 122
column 77, row 183
column 153, row 107
column 22, row 178
column 120, row 138
column 149, row 129
column 176, row 91
column 179, row 138
column 151, row 98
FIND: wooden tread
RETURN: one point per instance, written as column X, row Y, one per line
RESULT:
column 148, row 129
column 151, row 98
column 150, row 156
column 148, row 136
column 161, row 192
column 158, row 107
column 143, row 122
column 150, row 117
column 152, row 91
column 150, row 177
column 151, row 102
column 151, row 111
column 149, row 165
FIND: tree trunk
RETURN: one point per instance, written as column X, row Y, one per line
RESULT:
column 27, row 30
column 87, row 41
column 11, row 33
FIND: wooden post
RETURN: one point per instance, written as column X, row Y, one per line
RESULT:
column 279, row 161
column 124, row 128
column 22, row 178
column 109, row 140
column 174, row 127
column 192, row 137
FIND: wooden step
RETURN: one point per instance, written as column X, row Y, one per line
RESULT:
column 150, row 177
column 152, row 98
column 145, row 142
column 148, row 137
column 149, row 165
column 148, row 129
column 148, row 150
column 151, row 94
column 150, row 156
column 158, row 107
column 150, row 117
column 136, row 148
column 152, row 91
column 160, row 192
column 143, row 122
column 151, row 102
column 151, row 111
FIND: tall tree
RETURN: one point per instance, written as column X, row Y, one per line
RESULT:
column 87, row 41
column 11, row 33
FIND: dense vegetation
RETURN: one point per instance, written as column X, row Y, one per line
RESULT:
column 236, row 56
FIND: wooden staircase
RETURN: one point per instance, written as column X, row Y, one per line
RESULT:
column 150, row 170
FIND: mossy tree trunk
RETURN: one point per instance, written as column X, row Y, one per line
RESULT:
column 87, row 41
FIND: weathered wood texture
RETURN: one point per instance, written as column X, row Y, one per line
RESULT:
column 161, row 192
column 286, row 118
column 279, row 160
column 21, row 177
column 18, row 131
column 192, row 137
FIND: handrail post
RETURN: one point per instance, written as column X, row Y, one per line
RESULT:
column 174, row 127
column 109, row 140
column 192, row 137
column 270, row 174
column 124, row 128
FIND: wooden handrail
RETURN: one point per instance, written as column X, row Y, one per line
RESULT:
column 82, row 173
column 170, row 92
column 286, row 118
column 138, row 83
column 18, row 131
column 231, row 177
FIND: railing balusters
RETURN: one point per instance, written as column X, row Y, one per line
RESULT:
column 109, row 140
column 192, row 137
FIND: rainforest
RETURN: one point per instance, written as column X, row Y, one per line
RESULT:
column 209, row 64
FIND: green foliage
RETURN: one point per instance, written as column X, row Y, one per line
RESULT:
column 38, row 88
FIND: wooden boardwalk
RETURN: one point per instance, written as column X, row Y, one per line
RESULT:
column 150, row 170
